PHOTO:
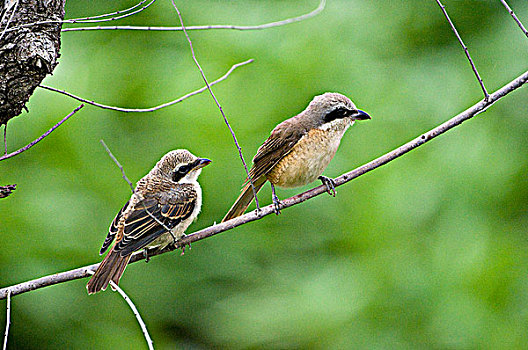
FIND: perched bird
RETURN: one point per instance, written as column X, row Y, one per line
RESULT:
column 300, row 148
column 165, row 202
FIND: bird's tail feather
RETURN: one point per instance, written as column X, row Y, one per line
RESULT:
column 244, row 199
column 110, row 269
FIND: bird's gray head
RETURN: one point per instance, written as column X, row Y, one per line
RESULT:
column 180, row 166
column 332, row 106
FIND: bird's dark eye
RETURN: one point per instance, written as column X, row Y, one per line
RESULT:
column 337, row 113
column 180, row 172
column 184, row 169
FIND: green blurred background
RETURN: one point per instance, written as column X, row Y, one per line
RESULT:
column 429, row 251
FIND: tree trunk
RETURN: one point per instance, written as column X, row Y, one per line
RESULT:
column 27, row 54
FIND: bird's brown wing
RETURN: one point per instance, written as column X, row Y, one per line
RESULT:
column 278, row 145
column 153, row 215
column 112, row 230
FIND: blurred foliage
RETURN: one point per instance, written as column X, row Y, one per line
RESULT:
column 429, row 251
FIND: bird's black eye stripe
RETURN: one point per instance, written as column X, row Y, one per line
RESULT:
column 180, row 172
column 337, row 113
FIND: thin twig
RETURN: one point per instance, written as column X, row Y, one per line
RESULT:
column 25, row 148
column 5, row 138
column 313, row 13
column 515, row 17
column 135, row 311
column 91, row 19
column 105, row 14
column 252, row 216
column 118, row 165
column 151, row 109
column 486, row 95
column 10, row 18
column 218, row 105
column 8, row 319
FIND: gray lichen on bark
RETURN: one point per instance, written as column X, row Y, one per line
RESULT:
column 27, row 54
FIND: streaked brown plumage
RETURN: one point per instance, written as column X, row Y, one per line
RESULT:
column 300, row 148
column 168, row 197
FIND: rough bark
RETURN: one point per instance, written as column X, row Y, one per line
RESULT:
column 27, row 54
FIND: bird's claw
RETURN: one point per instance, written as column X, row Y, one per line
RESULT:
column 183, row 249
column 329, row 184
column 178, row 240
column 276, row 204
column 145, row 255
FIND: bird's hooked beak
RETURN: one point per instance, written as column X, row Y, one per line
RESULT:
column 201, row 162
column 360, row 115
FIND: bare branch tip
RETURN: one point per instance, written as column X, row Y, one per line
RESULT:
column 41, row 137
column 466, row 51
column 8, row 319
column 136, row 314
column 515, row 18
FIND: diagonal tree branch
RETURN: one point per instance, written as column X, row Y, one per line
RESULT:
column 302, row 197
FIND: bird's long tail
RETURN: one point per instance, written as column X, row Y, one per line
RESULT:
column 110, row 269
column 244, row 199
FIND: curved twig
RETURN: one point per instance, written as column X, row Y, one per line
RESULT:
column 151, row 109
column 135, row 311
column 252, row 216
column 313, row 13
column 90, row 19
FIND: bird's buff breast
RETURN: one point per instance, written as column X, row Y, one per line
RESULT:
column 308, row 158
